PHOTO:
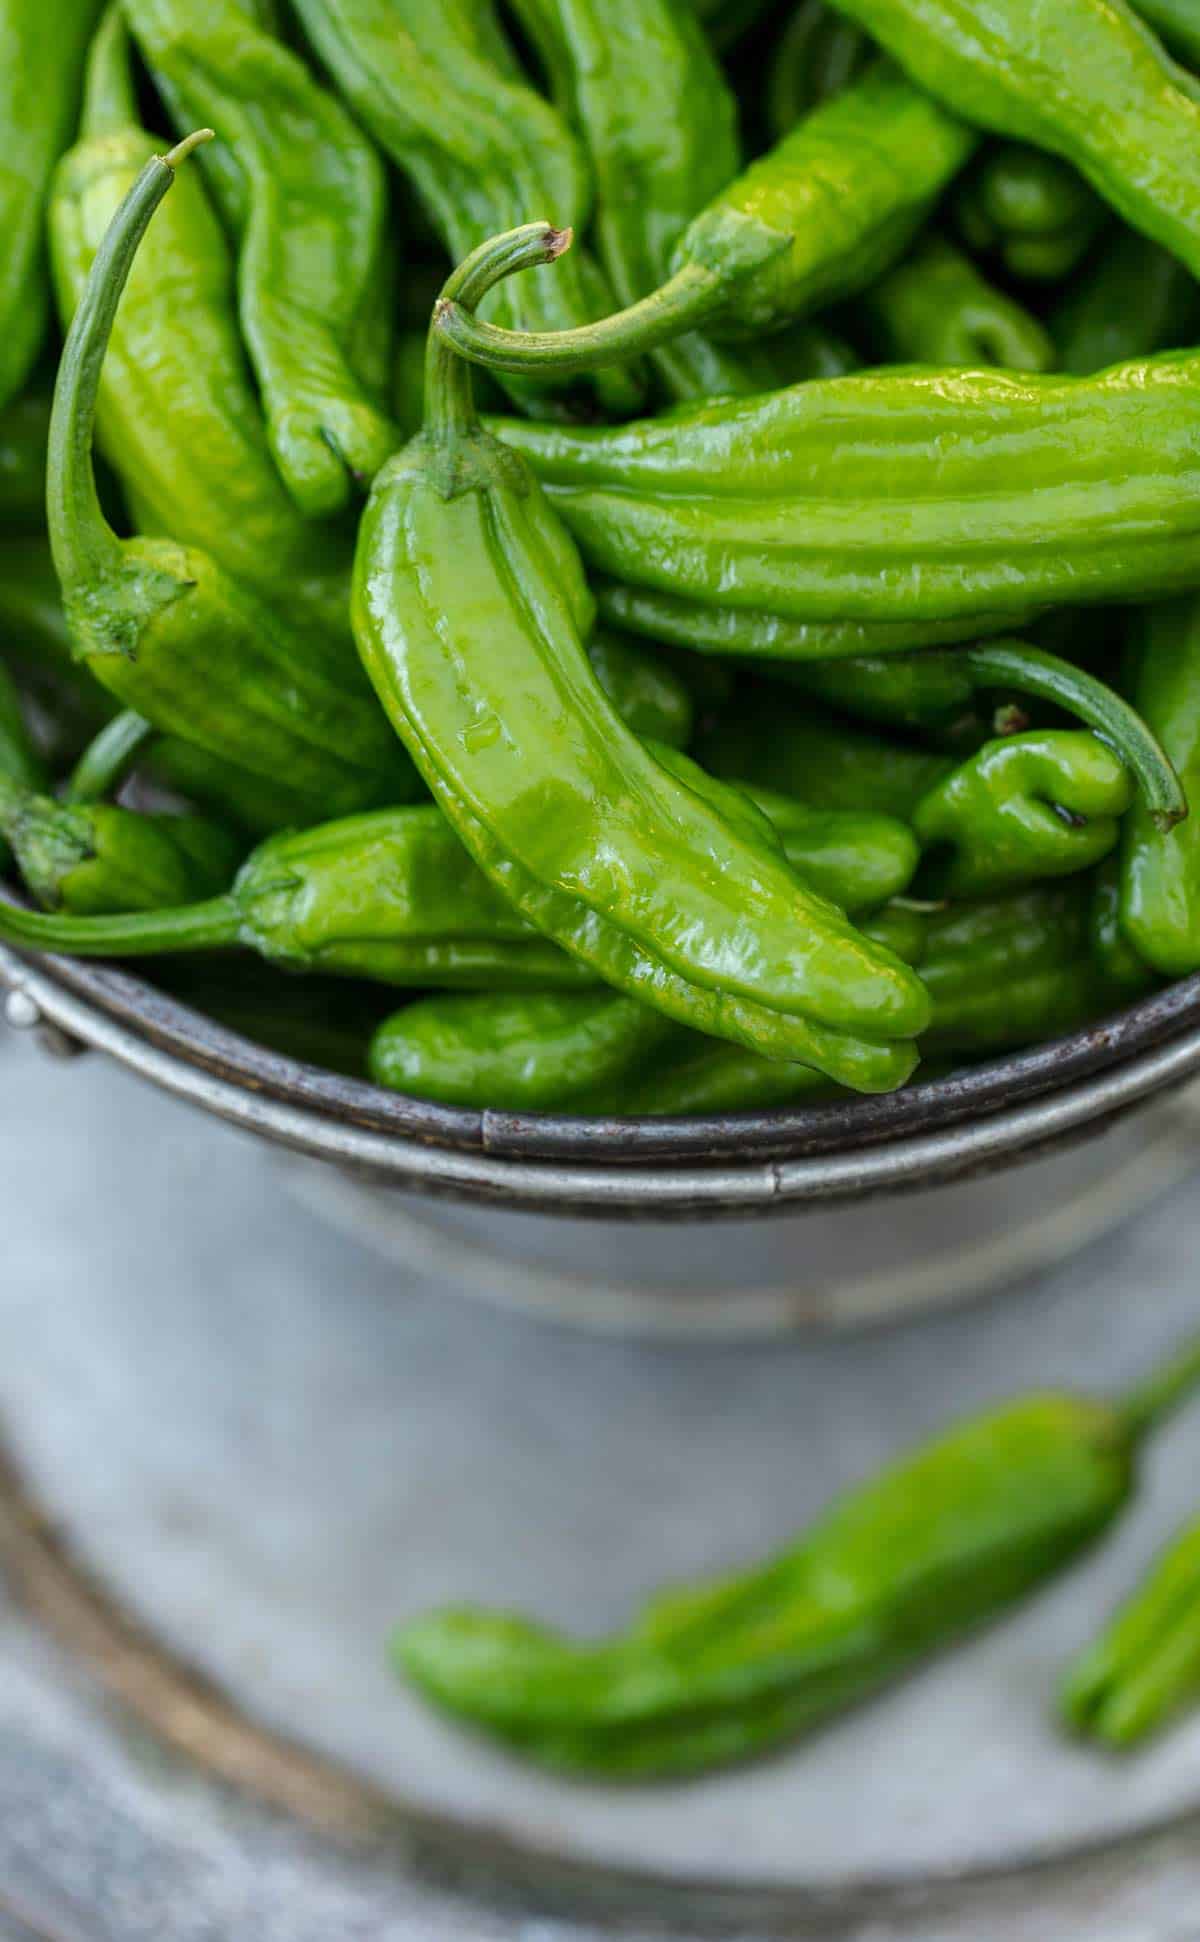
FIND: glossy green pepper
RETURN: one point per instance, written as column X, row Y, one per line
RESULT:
column 649, row 697
column 171, row 635
column 1135, row 299
column 41, row 59
column 817, row 218
column 996, row 491
column 479, row 662
column 769, row 739
column 311, row 278
column 1144, row 1670
column 816, row 56
column 24, row 427
column 390, row 896
column 933, row 693
column 639, row 81
column 1160, row 869
column 742, row 633
column 1020, row 809
column 443, row 95
column 1030, row 210
column 900, row 1567
column 936, row 308
column 1113, row 954
column 1083, row 79
column 177, row 414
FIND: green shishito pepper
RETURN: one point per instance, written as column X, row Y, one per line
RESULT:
column 171, row 635
column 782, row 505
column 1134, row 300
column 1160, row 869
column 818, row 218
column 177, row 414
column 658, row 120
column 816, row 56
column 443, row 95
column 935, row 308
column 41, row 59
column 1035, row 214
column 478, row 659
column 311, row 281
column 897, row 1569
column 1144, row 1671
column 1084, row 79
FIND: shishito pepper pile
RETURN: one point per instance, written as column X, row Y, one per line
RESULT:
column 793, row 674
column 789, row 677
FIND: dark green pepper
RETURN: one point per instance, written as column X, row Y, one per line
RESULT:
column 819, row 217
column 171, row 635
column 903, row 1566
column 1029, row 210
column 1114, row 956
column 1160, row 869
column 479, row 662
column 1144, row 1670
column 935, row 308
column 1020, row 809
column 1135, row 299
column 323, row 1022
column 41, row 60
column 1179, row 24
column 1083, row 79
column 177, row 414
column 24, row 427
column 816, row 56
column 311, row 276
column 894, row 496
column 649, row 697
column 767, row 738
column 19, row 764
column 443, row 95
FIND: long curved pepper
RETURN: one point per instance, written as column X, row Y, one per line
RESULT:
column 818, row 218
column 470, row 612
column 164, row 628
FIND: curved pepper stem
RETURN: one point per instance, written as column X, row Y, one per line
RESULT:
column 1048, row 678
column 211, row 926
column 1145, row 1407
column 82, row 541
column 108, row 758
column 449, row 398
column 683, row 302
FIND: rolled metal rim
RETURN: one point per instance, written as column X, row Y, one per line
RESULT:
column 730, row 1164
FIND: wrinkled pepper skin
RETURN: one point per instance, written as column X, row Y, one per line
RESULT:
column 1083, row 79
column 1144, row 1670
column 769, row 739
column 165, row 630
column 24, row 428
column 1134, row 300
column 1013, row 972
column 443, row 96
column 306, row 197
column 41, row 62
column 816, row 219
column 89, row 859
column 740, row 632
column 780, row 504
column 1025, row 807
column 932, row 693
column 935, row 308
column 900, row 1567
column 1160, row 871
column 1030, row 210
column 1112, row 953
column 178, row 416
column 391, row 896
column 470, row 610
column 585, row 1052
column 640, row 83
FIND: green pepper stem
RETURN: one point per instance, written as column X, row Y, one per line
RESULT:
column 1145, row 1407
column 82, row 541
column 449, row 397
column 109, row 102
column 211, row 926
column 1034, row 672
column 681, row 303
column 108, row 758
